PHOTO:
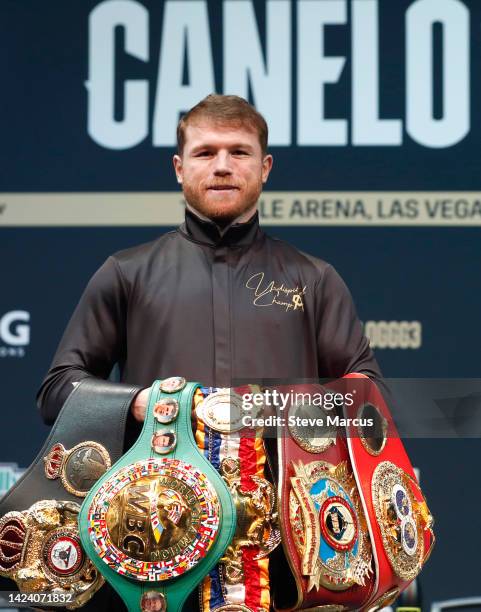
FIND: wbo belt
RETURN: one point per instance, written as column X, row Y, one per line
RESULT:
column 40, row 547
column 158, row 521
column 355, row 527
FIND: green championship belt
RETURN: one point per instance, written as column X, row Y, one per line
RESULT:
column 158, row 521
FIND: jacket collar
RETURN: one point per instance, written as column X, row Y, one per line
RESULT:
column 207, row 232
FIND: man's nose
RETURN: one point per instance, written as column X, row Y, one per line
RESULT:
column 222, row 164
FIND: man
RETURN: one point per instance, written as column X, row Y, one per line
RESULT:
column 216, row 300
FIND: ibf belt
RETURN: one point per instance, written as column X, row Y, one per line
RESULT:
column 160, row 519
column 356, row 529
column 241, row 581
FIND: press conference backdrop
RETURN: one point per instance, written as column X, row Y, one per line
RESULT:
column 375, row 129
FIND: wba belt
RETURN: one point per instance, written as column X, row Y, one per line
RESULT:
column 158, row 521
column 241, row 581
column 355, row 527
column 40, row 547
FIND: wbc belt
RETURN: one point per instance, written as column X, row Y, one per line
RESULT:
column 158, row 521
column 40, row 547
column 355, row 527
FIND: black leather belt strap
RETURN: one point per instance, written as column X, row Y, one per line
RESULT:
column 96, row 411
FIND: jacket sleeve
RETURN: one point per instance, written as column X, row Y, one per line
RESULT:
column 93, row 341
column 342, row 346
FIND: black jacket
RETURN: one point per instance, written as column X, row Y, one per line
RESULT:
column 212, row 307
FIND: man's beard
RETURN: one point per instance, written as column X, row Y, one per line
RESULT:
column 221, row 212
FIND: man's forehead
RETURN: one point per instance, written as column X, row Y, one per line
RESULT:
column 208, row 129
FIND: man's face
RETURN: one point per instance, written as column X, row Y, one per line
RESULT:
column 222, row 170
column 162, row 440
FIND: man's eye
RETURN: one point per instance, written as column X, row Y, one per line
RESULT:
column 203, row 154
column 240, row 152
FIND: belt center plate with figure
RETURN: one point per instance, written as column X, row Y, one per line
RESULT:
column 154, row 519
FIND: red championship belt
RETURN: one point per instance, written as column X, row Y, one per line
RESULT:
column 399, row 520
column 355, row 527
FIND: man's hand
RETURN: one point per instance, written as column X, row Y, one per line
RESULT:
column 139, row 405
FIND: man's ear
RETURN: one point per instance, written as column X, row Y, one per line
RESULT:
column 266, row 167
column 177, row 161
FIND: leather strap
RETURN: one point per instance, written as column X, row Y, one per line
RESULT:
column 95, row 410
column 157, row 567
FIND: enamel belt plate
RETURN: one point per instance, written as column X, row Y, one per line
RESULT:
column 399, row 519
column 328, row 526
column 40, row 549
column 154, row 519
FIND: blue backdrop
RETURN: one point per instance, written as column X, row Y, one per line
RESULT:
column 368, row 101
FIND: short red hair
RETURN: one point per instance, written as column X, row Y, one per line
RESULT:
column 221, row 109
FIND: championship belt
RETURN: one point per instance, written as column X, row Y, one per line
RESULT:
column 355, row 527
column 158, row 521
column 40, row 547
column 240, row 582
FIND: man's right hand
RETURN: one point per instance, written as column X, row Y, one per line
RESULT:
column 139, row 405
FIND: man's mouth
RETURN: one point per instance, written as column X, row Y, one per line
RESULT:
column 222, row 188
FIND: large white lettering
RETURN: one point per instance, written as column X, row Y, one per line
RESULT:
column 244, row 65
column 102, row 125
column 11, row 331
column 367, row 127
column 420, row 123
column 185, row 33
column 315, row 71
column 257, row 61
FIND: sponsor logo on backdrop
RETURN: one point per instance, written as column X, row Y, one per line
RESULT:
column 14, row 333
column 9, row 474
column 394, row 334
column 265, row 68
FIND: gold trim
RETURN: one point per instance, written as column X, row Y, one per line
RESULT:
column 66, row 457
column 257, row 519
column 312, row 531
column 385, row 600
column 424, row 512
column 386, row 476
